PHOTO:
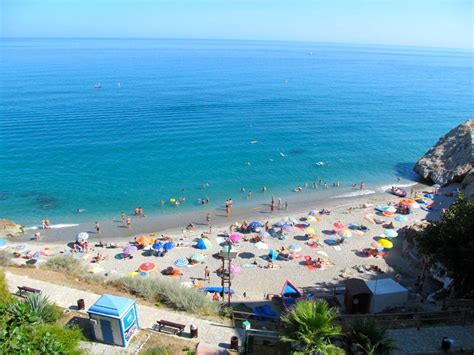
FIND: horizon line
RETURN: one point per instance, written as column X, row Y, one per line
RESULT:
column 243, row 40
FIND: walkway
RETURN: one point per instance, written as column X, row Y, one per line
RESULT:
column 212, row 333
column 428, row 340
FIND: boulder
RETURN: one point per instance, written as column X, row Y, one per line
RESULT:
column 451, row 158
column 468, row 185
column 9, row 228
column 415, row 231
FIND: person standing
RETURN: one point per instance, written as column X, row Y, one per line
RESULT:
column 286, row 204
column 272, row 207
column 279, row 202
column 97, row 227
column 207, row 274
column 129, row 222
column 122, row 217
column 264, row 189
column 208, row 218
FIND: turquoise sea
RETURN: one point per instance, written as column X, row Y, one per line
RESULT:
column 174, row 114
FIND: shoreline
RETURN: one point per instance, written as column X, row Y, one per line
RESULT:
column 175, row 223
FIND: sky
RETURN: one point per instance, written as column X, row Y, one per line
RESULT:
column 431, row 23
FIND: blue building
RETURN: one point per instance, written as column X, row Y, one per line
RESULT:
column 114, row 319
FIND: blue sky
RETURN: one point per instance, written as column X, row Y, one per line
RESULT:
column 435, row 23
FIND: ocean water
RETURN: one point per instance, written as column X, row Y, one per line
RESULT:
column 174, row 114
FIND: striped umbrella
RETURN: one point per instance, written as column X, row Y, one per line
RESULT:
column 181, row 262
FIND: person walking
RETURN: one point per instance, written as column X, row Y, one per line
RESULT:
column 122, row 217
column 208, row 218
column 207, row 274
column 97, row 227
column 129, row 222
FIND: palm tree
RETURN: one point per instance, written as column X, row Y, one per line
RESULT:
column 370, row 339
column 310, row 328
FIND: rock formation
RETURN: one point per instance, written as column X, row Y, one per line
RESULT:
column 9, row 228
column 451, row 159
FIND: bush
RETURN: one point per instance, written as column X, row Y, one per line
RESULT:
column 5, row 296
column 170, row 293
column 65, row 263
column 43, row 308
column 69, row 338
column 5, row 258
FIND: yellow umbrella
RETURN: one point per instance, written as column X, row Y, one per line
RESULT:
column 311, row 218
column 387, row 244
column 144, row 240
column 310, row 230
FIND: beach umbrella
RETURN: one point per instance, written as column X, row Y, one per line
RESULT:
column 323, row 253
column 3, row 243
column 157, row 246
column 181, row 262
column 147, row 267
column 168, row 246
column 387, row 213
column 142, row 240
column 203, row 243
column 273, row 254
column 228, row 249
column 198, row 257
column 310, row 230
column 235, row 237
column 377, row 246
column 82, row 236
column 313, row 213
column 279, row 224
column 264, row 234
column 346, row 233
column 387, row 244
column 437, row 186
column 235, row 269
column 129, row 249
column 339, row 225
column 294, row 248
column 261, row 245
column 391, row 209
column 401, row 219
column 287, row 228
column 311, row 219
column 391, row 233
column 291, row 220
column 255, row 224
column 302, row 226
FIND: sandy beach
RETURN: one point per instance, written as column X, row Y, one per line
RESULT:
column 254, row 281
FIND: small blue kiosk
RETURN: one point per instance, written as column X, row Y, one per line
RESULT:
column 114, row 319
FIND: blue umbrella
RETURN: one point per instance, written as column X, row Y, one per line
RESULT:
column 273, row 254
column 181, row 262
column 287, row 228
column 157, row 246
column 168, row 246
column 255, row 224
column 3, row 243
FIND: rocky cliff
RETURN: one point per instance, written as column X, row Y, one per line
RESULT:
column 9, row 228
column 451, row 159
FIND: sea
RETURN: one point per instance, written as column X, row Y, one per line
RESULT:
column 108, row 125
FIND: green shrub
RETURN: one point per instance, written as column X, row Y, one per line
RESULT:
column 170, row 293
column 43, row 308
column 64, row 263
column 69, row 338
column 5, row 296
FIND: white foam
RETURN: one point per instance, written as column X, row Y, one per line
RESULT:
column 53, row 226
column 356, row 193
column 384, row 188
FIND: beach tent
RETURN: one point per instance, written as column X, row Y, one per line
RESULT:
column 290, row 294
column 386, row 293
column 203, row 243
column 357, row 296
column 114, row 319
column 273, row 254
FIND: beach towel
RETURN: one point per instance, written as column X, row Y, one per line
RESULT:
column 220, row 240
column 337, row 248
column 249, row 266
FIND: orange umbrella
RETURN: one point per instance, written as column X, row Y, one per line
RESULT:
column 144, row 240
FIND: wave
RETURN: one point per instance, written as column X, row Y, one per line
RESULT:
column 384, row 188
column 356, row 193
column 54, row 226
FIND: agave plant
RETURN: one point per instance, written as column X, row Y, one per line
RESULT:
column 368, row 338
column 310, row 328
column 39, row 306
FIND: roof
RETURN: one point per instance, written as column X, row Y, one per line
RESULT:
column 385, row 286
column 112, row 306
column 357, row 287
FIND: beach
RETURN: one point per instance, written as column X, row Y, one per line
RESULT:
column 254, row 281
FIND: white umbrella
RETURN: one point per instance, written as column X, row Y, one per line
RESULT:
column 390, row 233
column 82, row 236
column 261, row 245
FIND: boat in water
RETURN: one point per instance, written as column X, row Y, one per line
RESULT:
column 98, row 85
column 397, row 191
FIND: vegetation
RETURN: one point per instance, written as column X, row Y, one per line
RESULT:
column 310, row 328
column 368, row 338
column 30, row 327
column 5, row 296
column 170, row 293
column 450, row 242
column 64, row 263
column 5, row 258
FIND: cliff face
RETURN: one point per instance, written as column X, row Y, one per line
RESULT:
column 9, row 228
column 451, row 159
